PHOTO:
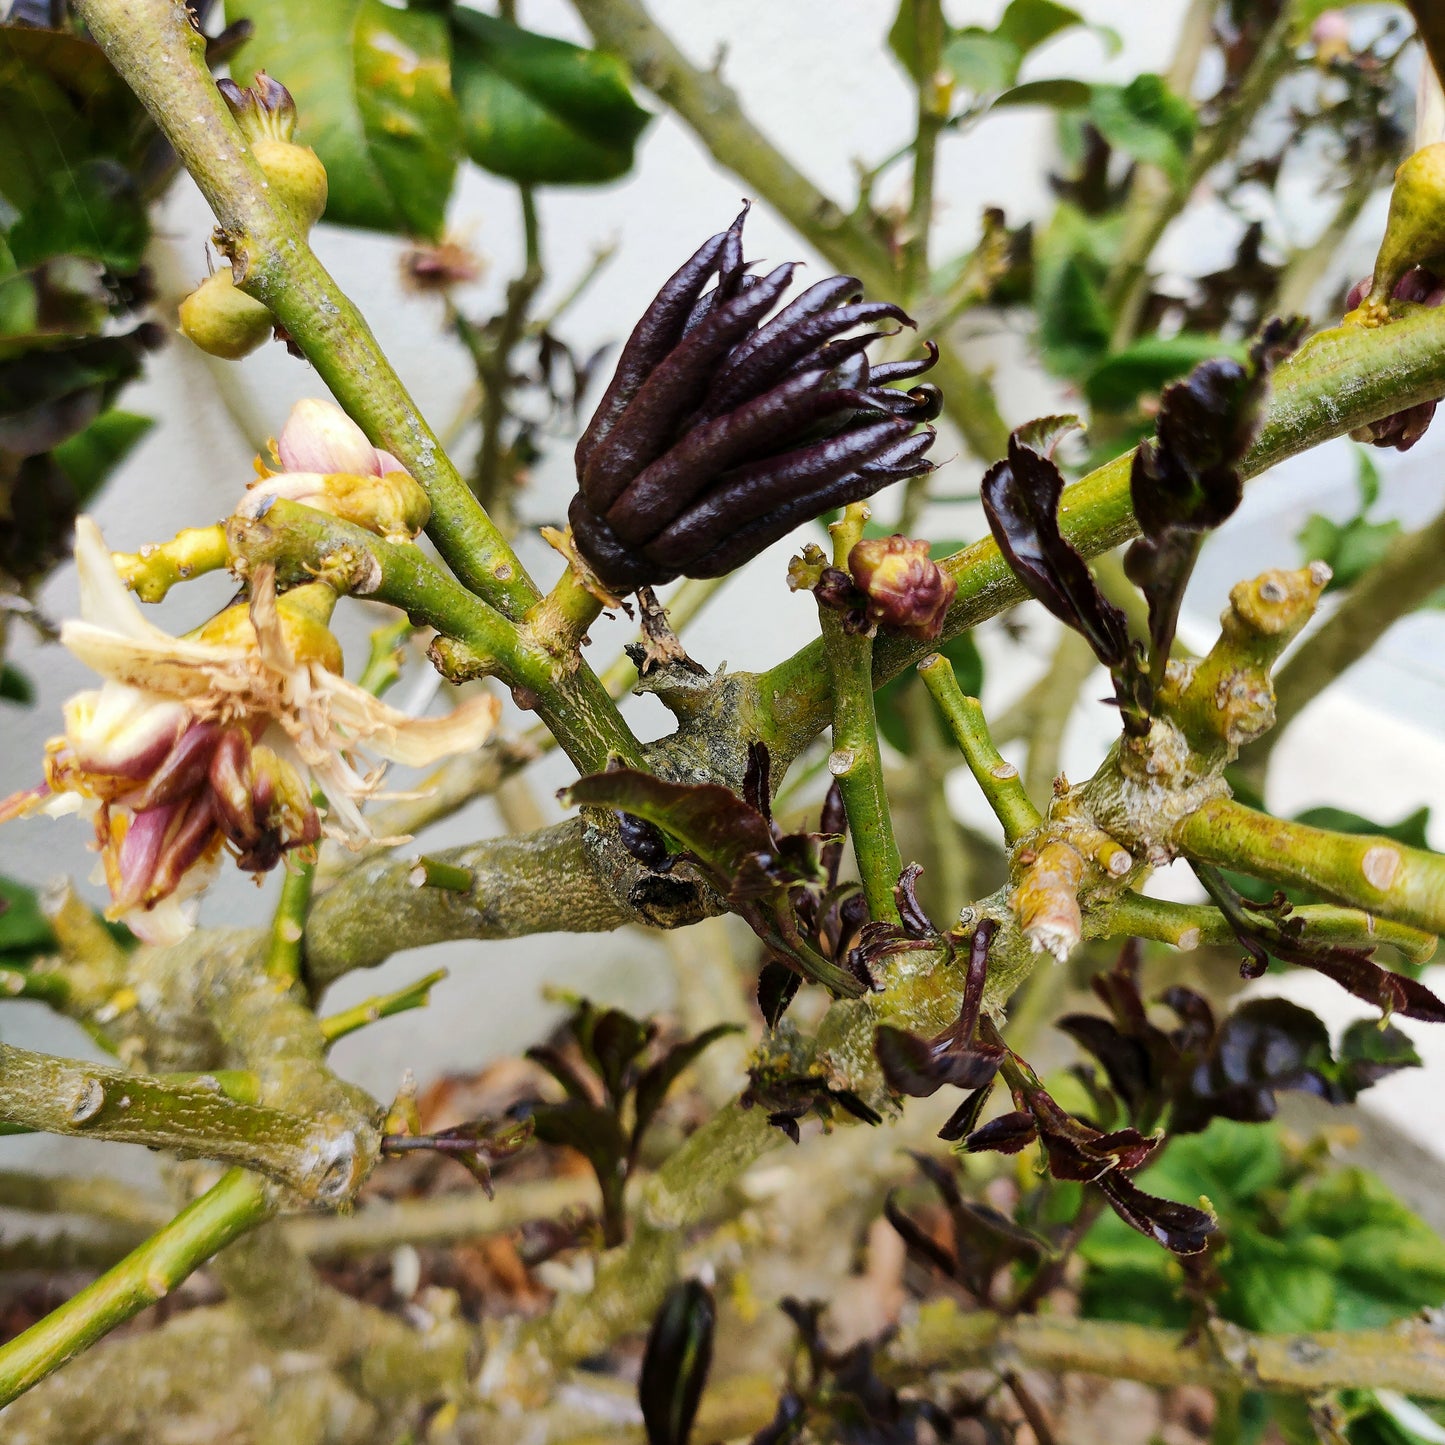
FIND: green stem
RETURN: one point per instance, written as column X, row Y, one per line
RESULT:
column 998, row 780
column 153, row 571
column 1374, row 873
column 161, row 56
column 237, row 1203
column 383, row 1006
column 928, row 28
column 433, row 873
column 194, row 1116
column 383, row 664
column 288, row 927
column 567, row 695
column 1189, row 925
column 855, row 761
column 1340, row 380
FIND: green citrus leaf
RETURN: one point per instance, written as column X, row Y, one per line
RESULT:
column 539, row 110
column 1146, row 120
column 372, row 86
column 90, row 456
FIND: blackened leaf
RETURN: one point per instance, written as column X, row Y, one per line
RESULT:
column 1007, row 1134
column 916, row 923
column 614, row 1041
column 588, row 1128
column 1021, row 497
column 652, row 1087
column 917, row 1239
column 15, row 686
column 1180, row 1228
column 559, row 1066
column 1126, row 1060
column 1271, row 1042
column 676, row 1362
column 777, row 986
column 540, row 110
column 711, row 821
column 921, row 1067
column 1186, row 480
column 786, row 1426
column 850, row 1103
column 964, row 1119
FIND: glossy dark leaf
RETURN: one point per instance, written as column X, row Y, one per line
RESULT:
column 614, row 1040
column 1021, row 498
column 708, row 819
column 675, row 1363
column 777, row 986
column 1007, row 1134
column 15, row 686
column 1180, row 1228
column 372, row 85
column 786, row 1426
column 917, row 1239
column 1369, row 1053
column 1126, row 1060
column 540, row 110
column 1186, row 480
column 964, row 1119
column 560, row 1067
column 921, row 1067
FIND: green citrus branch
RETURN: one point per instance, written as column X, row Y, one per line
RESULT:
column 237, row 1203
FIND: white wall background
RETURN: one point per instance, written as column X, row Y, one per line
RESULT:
column 816, row 76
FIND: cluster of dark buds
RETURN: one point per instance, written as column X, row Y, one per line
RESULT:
column 1206, row 1068
column 1184, row 481
column 1401, row 429
column 721, row 431
column 783, row 885
column 615, row 1079
column 921, row 1067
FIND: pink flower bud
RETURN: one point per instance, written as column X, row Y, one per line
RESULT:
column 320, row 437
column 906, row 591
column 1331, row 35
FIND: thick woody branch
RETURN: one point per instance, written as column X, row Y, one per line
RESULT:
column 536, row 883
column 58, row 1096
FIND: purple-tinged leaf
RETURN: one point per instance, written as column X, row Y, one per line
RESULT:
column 916, row 923
column 964, row 1119
column 653, row 1085
column 1180, row 1228
column 1021, row 498
column 921, row 1067
column 1007, row 1134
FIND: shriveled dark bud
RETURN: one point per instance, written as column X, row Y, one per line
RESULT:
column 263, row 110
column 906, row 591
column 722, row 429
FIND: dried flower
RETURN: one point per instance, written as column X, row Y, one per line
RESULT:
column 906, row 591
column 437, row 266
column 216, row 740
column 721, row 431
column 326, row 462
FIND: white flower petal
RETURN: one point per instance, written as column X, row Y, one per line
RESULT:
column 320, row 437
column 104, row 599
column 414, row 741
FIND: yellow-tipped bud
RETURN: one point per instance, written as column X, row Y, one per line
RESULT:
column 297, row 177
column 224, row 321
